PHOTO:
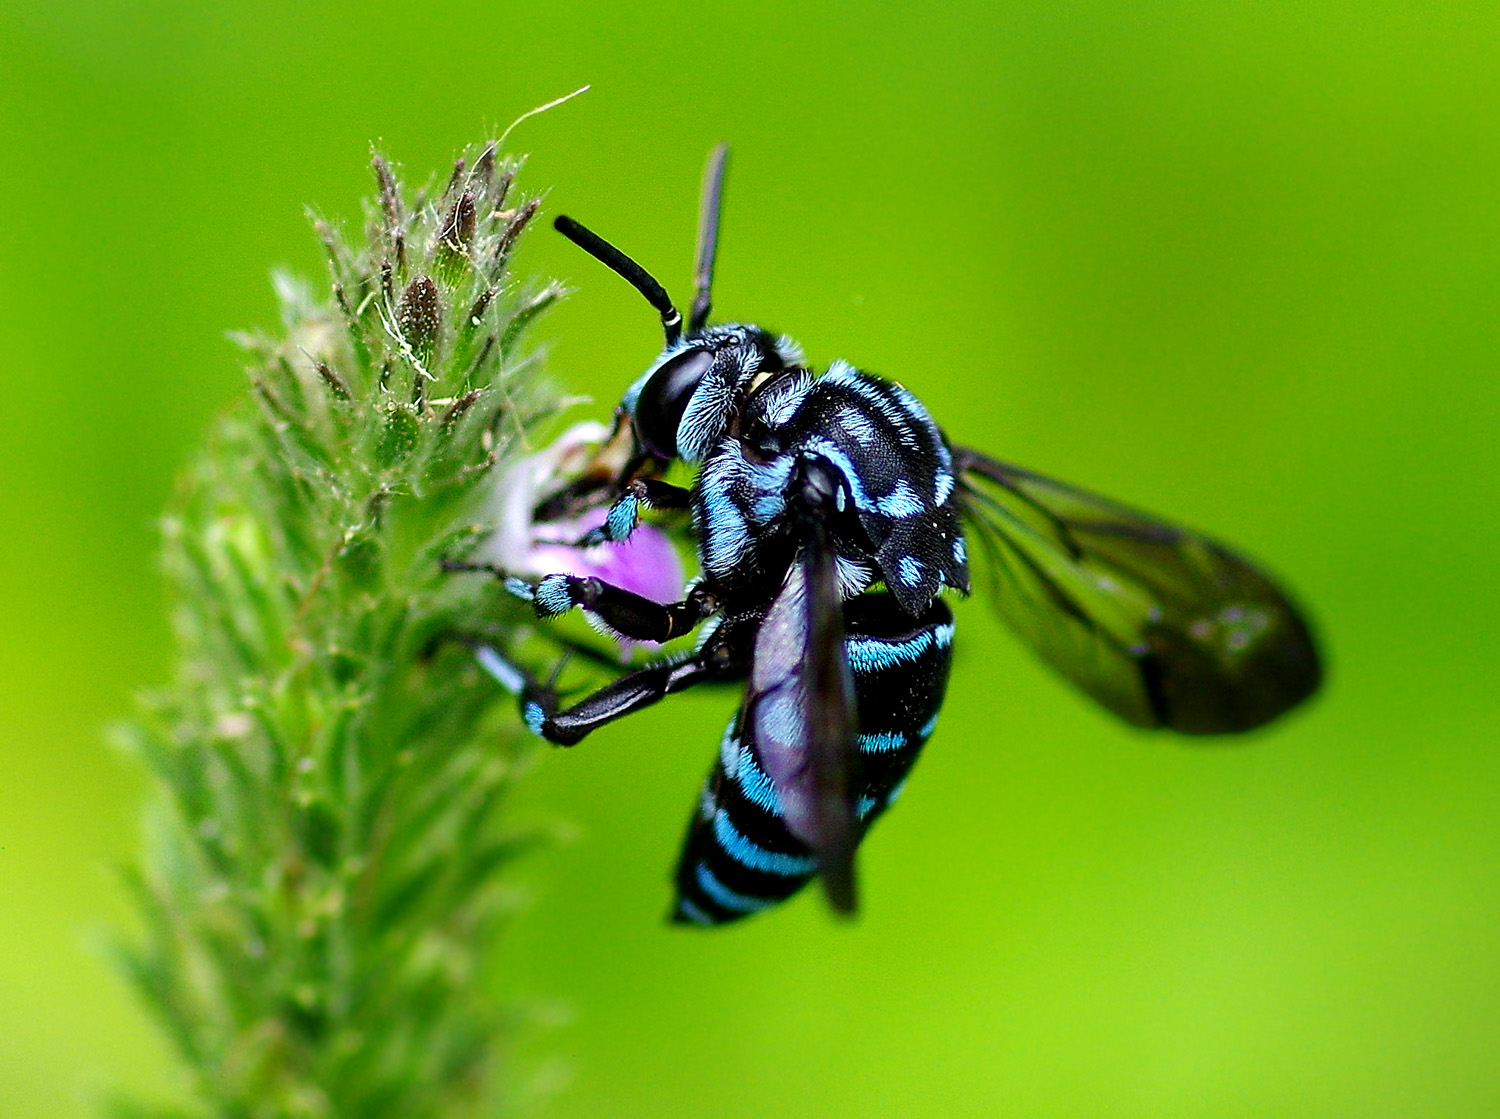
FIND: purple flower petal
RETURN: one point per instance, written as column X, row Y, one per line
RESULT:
column 647, row 564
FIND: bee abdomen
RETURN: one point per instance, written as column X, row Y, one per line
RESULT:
column 739, row 857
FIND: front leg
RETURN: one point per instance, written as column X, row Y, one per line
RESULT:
column 625, row 513
column 627, row 613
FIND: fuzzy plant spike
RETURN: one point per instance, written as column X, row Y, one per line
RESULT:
column 324, row 879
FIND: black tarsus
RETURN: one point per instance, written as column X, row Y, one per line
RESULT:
column 617, row 262
column 656, row 494
column 708, row 238
column 623, row 696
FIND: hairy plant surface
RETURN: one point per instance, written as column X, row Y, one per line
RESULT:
column 323, row 884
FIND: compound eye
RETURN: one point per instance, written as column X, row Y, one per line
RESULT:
column 663, row 400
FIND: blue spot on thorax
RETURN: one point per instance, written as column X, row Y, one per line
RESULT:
column 902, row 501
column 722, row 527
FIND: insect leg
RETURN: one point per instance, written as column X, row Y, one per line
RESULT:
column 627, row 613
column 541, row 708
column 625, row 513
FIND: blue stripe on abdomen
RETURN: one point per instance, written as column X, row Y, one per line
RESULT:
column 723, row 895
column 752, row 856
column 739, row 857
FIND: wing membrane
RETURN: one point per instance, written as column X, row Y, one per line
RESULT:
column 830, row 687
column 800, row 708
column 1163, row 626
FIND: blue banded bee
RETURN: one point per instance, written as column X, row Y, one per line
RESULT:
column 830, row 514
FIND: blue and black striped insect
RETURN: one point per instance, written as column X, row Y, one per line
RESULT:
column 830, row 514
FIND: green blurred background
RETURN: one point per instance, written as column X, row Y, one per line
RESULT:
column 1239, row 262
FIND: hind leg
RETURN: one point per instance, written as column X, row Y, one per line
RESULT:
column 541, row 703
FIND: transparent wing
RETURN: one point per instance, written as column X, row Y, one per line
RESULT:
column 799, row 706
column 1160, row 624
column 830, row 687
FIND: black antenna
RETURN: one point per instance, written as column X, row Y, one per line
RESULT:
column 708, row 236
column 638, row 278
